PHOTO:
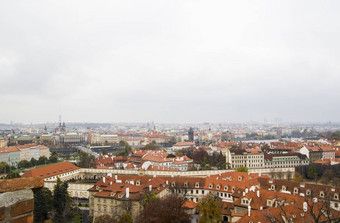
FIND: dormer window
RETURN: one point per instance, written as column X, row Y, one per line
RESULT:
column 97, row 187
column 186, row 184
column 233, row 189
column 322, row 194
column 336, row 196
column 296, row 190
column 225, row 187
column 112, row 194
column 245, row 201
column 283, row 188
column 197, row 185
column 217, row 186
column 210, row 186
column 269, row 203
column 272, row 187
column 308, row 192
column 173, row 184
column 120, row 195
column 239, row 178
column 138, row 182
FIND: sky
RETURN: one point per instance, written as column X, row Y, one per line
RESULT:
column 185, row 61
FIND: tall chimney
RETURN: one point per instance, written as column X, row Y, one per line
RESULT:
column 127, row 193
column 249, row 208
column 258, row 193
column 150, row 187
column 104, row 180
column 305, row 206
column 116, row 177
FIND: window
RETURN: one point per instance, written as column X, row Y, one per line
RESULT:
column 99, row 209
column 197, row 185
column 218, row 187
column 225, row 187
column 336, row 196
column 308, row 192
column 210, row 186
column 322, row 194
column 186, row 184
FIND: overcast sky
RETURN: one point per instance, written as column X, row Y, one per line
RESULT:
column 169, row 61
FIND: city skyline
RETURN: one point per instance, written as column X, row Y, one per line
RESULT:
column 169, row 62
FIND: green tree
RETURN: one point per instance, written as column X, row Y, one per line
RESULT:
column 53, row 159
column 12, row 175
column 207, row 167
column 312, row 174
column 121, row 143
column 105, row 152
column 148, row 198
column 210, row 209
column 33, row 162
column 86, row 160
column 298, row 177
column 125, row 218
column 242, row 169
column 4, row 167
column 42, row 160
column 62, row 210
column 24, row 164
column 42, row 204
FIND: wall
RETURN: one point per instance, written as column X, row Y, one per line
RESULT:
column 17, row 199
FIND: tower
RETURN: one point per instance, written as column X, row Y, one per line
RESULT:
column 191, row 135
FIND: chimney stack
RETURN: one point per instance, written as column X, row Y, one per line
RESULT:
column 116, row 177
column 127, row 194
column 258, row 193
column 249, row 208
column 305, row 206
column 150, row 187
column 104, row 180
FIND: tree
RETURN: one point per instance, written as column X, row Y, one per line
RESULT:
column 12, row 175
column 24, row 164
column 42, row 204
column 105, row 152
column 53, row 159
column 327, row 177
column 105, row 218
column 312, row 174
column 207, row 167
column 242, row 169
column 210, row 209
column 86, row 160
column 228, row 165
column 33, row 162
column 62, row 209
column 4, row 167
column 125, row 218
column 298, row 177
column 42, row 160
column 168, row 209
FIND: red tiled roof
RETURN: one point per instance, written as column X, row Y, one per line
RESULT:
column 51, row 170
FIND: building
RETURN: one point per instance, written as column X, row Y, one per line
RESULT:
column 3, row 142
column 250, row 158
column 10, row 155
column 117, row 195
column 285, row 160
column 72, row 138
column 104, row 139
column 182, row 145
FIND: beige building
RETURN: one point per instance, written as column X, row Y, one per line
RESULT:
column 3, row 142
column 104, row 139
column 250, row 158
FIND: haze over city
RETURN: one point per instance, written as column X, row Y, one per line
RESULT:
column 169, row 61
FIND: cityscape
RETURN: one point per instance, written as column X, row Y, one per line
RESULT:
column 169, row 111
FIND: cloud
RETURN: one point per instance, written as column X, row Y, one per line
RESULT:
column 177, row 61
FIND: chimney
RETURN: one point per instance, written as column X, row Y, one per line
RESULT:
column 249, row 208
column 127, row 194
column 104, row 180
column 111, row 183
column 116, row 177
column 305, row 206
column 150, row 187
column 166, row 182
column 260, row 174
column 246, row 190
column 258, row 193
column 261, row 208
